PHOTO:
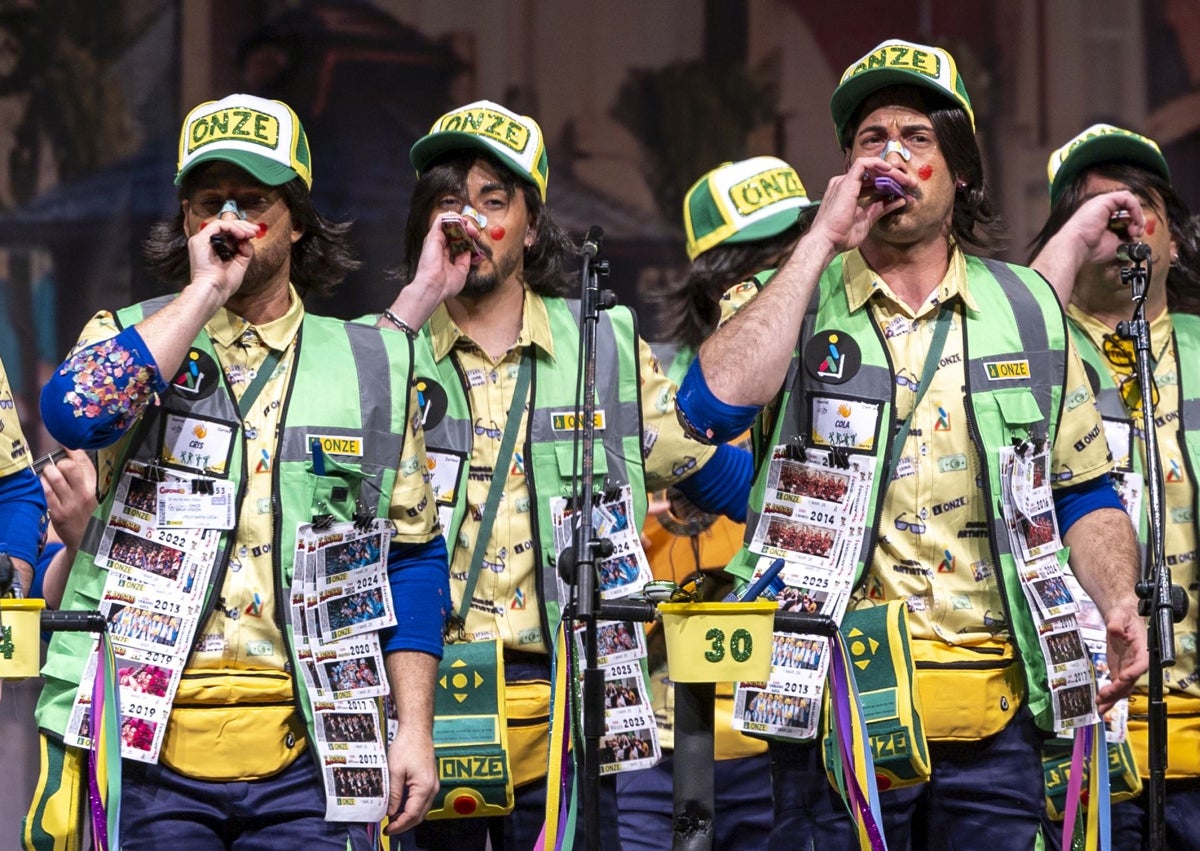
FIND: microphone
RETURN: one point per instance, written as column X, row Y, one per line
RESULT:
column 1133, row 252
column 591, row 242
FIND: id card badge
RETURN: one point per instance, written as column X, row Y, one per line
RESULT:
column 445, row 470
column 845, row 423
column 197, row 445
column 1119, row 435
column 196, row 504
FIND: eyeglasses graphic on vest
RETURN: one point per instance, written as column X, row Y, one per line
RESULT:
column 914, row 526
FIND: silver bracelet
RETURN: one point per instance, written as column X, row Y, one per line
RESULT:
column 400, row 323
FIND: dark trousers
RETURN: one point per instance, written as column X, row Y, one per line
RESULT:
column 984, row 795
column 1181, row 810
column 161, row 808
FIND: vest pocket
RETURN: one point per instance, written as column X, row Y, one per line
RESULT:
column 568, row 462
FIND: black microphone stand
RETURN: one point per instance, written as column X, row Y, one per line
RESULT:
column 578, row 564
column 1154, row 588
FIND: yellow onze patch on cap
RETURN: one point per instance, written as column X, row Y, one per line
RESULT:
column 493, row 125
column 899, row 56
column 237, row 124
column 765, row 188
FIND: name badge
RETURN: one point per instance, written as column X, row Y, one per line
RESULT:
column 845, row 423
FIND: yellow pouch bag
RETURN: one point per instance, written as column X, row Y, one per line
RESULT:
column 228, row 725
column 968, row 692
column 1183, row 733
column 527, row 703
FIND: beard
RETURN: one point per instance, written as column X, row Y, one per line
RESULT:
column 265, row 267
column 480, row 284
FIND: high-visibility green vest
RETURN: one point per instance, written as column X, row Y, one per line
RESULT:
column 549, row 441
column 1019, row 319
column 346, row 380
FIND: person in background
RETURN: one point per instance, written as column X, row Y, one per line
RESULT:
column 742, row 219
column 1102, row 173
column 22, row 504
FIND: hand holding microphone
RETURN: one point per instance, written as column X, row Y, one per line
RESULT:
column 222, row 242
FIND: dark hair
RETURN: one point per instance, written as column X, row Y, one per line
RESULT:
column 690, row 306
column 975, row 221
column 546, row 261
column 1183, row 278
column 321, row 258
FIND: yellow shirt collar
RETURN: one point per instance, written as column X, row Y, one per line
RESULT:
column 535, row 328
column 1160, row 329
column 862, row 282
column 226, row 327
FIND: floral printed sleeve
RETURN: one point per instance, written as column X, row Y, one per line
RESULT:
column 102, row 387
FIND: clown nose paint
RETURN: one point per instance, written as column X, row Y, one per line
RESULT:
column 925, row 172
column 497, row 233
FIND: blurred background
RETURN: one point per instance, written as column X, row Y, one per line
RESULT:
column 636, row 98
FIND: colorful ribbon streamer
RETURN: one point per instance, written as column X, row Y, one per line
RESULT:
column 852, row 757
column 104, row 759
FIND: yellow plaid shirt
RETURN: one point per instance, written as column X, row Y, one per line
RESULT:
column 1179, row 546
column 505, row 603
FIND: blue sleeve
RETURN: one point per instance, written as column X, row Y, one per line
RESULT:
column 37, row 589
column 1071, row 503
column 97, row 393
column 420, row 578
column 722, row 486
column 704, row 416
column 23, row 516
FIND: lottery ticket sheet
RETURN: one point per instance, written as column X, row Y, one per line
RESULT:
column 630, row 737
column 1028, row 508
column 152, row 600
column 788, row 704
column 630, row 732
column 626, row 570
column 340, row 598
column 814, row 517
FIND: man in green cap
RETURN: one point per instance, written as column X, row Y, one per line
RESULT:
column 938, row 381
column 226, row 418
column 496, row 355
column 1111, row 185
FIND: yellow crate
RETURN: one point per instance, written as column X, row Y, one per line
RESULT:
column 718, row 642
column 20, row 638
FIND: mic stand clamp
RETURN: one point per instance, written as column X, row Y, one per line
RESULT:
column 1160, row 601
